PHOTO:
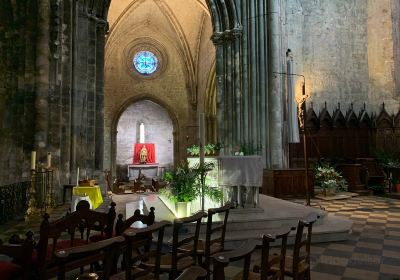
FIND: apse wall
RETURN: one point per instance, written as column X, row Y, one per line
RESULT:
column 158, row 130
column 345, row 49
column 178, row 33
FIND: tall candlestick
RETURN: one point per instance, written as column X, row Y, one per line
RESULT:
column 202, row 139
column 202, row 136
column 33, row 160
column 77, row 177
column 48, row 160
column 141, row 135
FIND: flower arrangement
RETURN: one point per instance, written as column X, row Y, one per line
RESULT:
column 329, row 179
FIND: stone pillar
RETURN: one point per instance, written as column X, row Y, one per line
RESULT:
column 275, row 98
column 42, row 77
column 220, row 77
column 99, row 99
column 229, row 86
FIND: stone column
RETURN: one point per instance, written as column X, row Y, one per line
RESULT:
column 237, row 85
column 99, row 101
column 275, row 99
column 42, row 77
column 220, row 77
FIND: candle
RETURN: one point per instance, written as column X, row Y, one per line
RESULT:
column 141, row 134
column 48, row 160
column 33, row 160
column 77, row 177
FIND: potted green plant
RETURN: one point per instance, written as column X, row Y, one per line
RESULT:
column 185, row 185
column 193, row 150
column 396, row 185
column 377, row 189
column 330, row 180
column 210, row 149
column 388, row 160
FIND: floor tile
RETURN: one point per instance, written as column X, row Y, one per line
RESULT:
column 329, row 269
column 390, row 269
column 360, row 274
column 324, row 276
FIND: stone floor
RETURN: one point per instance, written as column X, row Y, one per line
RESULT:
column 372, row 252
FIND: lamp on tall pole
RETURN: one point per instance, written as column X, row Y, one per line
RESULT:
column 301, row 117
column 303, row 112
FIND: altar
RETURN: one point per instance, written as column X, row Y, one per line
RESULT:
column 149, row 170
column 143, row 162
column 240, row 178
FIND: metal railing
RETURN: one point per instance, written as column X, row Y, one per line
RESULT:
column 13, row 201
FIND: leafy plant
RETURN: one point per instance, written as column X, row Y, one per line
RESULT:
column 185, row 183
column 388, row 159
column 209, row 149
column 193, row 150
column 377, row 189
column 328, row 178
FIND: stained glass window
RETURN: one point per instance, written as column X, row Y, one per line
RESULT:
column 145, row 62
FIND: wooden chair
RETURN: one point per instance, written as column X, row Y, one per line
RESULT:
column 20, row 265
column 140, row 240
column 83, row 220
column 211, row 246
column 267, row 271
column 374, row 174
column 178, row 260
column 298, row 265
column 121, row 225
column 105, row 251
column 222, row 260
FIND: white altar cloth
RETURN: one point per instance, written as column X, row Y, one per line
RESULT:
column 240, row 171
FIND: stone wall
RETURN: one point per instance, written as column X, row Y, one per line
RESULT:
column 345, row 50
column 51, row 87
column 179, row 33
column 18, row 26
column 158, row 130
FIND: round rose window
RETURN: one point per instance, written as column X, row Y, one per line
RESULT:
column 145, row 62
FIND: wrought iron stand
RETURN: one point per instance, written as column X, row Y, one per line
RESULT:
column 41, row 191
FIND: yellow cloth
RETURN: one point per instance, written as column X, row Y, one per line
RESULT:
column 94, row 194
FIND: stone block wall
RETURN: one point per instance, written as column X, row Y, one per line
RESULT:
column 345, row 50
column 51, row 87
column 18, row 27
column 158, row 130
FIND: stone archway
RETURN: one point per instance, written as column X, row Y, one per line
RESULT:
column 225, row 31
column 167, row 112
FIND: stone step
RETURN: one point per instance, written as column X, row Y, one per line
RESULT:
column 275, row 214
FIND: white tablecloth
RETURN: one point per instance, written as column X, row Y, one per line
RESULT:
column 75, row 199
column 240, row 171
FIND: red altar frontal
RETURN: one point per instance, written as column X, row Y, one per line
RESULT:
column 151, row 153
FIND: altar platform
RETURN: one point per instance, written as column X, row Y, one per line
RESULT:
column 249, row 223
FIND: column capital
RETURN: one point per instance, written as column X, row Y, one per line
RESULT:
column 237, row 31
column 218, row 38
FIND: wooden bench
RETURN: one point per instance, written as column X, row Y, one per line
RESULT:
column 20, row 265
column 70, row 231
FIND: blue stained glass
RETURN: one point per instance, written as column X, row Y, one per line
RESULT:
column 145, row 62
